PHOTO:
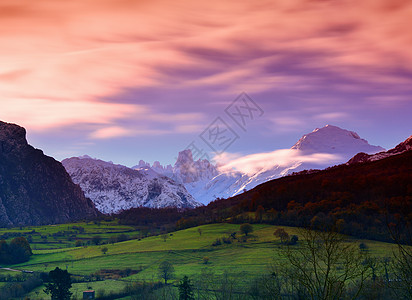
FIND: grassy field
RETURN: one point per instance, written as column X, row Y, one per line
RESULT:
column 66, row 235
column 185, row 249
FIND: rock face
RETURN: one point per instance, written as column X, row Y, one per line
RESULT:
column 194, row 175
column 186, row 170
column 113, row 188
column 35, row 189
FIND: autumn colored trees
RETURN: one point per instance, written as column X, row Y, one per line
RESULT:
column 365, row 196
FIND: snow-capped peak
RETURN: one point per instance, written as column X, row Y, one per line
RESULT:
column 332, row 139
column 329, row 141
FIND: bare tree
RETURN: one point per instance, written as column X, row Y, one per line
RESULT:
column 325, row 264
column 202, row 283
column 402, row 261
column 268, row 286
column 226, row 287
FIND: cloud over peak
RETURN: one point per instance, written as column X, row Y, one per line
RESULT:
column 250, row 164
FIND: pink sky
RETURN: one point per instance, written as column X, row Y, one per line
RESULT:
column 130, row 71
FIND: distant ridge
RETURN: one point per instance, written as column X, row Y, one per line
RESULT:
column 399, row 149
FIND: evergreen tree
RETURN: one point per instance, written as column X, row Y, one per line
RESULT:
column 59, row 286
column 185, row 289
column 4, row 252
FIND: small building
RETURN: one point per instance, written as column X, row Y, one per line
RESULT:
column 89, row 294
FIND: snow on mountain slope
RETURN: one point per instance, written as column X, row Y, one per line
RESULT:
column 194, row 175
column 324, row 147
column 185, row 170
column 115, row 187
column 332, row 139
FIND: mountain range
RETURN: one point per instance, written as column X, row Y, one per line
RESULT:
column 322, row 148
column 113, row 188
column 36, row 189
column 189, row 183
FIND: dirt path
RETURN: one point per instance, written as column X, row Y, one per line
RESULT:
column 13, row 270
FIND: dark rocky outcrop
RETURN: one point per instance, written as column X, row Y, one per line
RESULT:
column 35, row 189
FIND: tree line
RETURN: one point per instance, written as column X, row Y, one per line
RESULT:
column 368, row 197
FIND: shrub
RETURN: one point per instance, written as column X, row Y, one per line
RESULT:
column 217, row 242
column 226, row 240
column 78, row 228
column 363, row 247
column 96, row 240
column 293, row 240
column 122, row 238
column 112, row 240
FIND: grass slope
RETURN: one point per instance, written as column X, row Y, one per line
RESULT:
column 185, row 249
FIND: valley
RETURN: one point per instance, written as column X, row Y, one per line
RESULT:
column 141, row 234
column 205, row 150
column 185, row 249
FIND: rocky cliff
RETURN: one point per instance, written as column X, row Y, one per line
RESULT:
column 35, row 189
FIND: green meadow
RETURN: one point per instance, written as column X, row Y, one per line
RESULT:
column 190, row 251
